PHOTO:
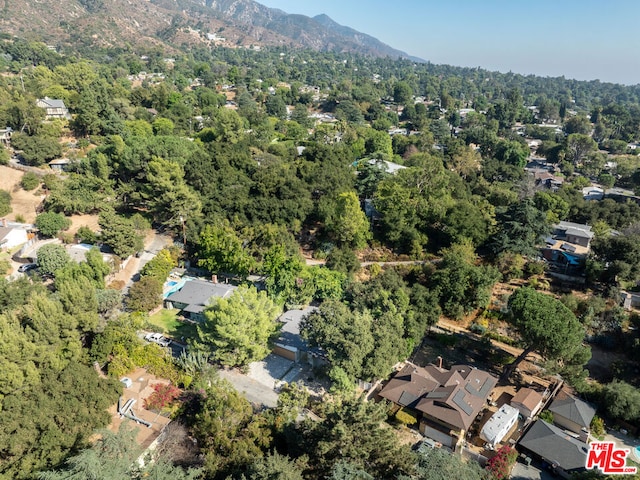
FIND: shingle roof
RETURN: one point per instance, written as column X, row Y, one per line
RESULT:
column 197, row 293
column 572, row 409
column 527, row 397
column 555, row 446
column 453, row 396
column 53, row 102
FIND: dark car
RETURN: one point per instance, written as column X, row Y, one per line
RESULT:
column 27, row 266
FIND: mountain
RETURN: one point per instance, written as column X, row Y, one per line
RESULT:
column 180, row 23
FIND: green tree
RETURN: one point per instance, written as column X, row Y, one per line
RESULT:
column 343, row 260
column 353, row 431
column 274, row 466
column 579, row 146
column 36, row 150
column 30, row 181
column 520, row 229
column 346, row 336
column 52, row 257
column 120, row 234
column 113, row 457
column 545, row 326
column 438, row 464
column 40, row 426
column 145, row 294
column 238, row 329
column 348, row 223
column 169, row 198
column 221, row 250
column 622, row 400
column 461, row 285
column 50, row 224
column 163, row 126
column 228, row 432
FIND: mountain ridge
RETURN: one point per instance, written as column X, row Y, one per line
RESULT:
column 180, row 23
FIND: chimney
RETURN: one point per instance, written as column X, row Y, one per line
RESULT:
column 439, row 361
column 214, row 278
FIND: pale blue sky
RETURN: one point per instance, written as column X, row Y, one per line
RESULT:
column 582, row 39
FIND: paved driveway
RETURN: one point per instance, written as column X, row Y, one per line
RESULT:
column 252, row 390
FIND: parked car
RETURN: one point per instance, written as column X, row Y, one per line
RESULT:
column 158, row 338
column 27, row 266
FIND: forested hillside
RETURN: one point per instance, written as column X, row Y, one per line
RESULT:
column 267, row 164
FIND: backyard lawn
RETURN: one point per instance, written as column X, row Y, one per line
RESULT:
column 167, row 321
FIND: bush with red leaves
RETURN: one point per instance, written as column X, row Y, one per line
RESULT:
column 500, row 465
column 162, row 397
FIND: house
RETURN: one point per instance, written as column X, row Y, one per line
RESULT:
column 448, row 401
column 572, row 413
column 527, row 401
column 630, row 300
column 13, row 234
column 388, row 167
column 499, row 425
column 291, row 345
column 5, row 135
column 195, row 295
column 566, row 455
column 592, row 193
column 574, row 233
column 54, row 108
column 59, row 164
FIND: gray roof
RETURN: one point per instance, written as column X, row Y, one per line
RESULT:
column 576, row 229
column 198, row 293
column 4, row 231
column 290, row 332
column 555, row 446
column 53, row 102
column 572, row 409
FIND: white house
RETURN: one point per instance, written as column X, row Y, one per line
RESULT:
column 13, row 234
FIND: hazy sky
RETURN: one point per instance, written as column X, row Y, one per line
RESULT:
column 582, row 39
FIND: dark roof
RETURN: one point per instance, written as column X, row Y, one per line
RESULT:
column 555, row 446
column 197, row 294
column 453, row 396
column 572, row 409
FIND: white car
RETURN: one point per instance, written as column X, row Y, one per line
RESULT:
column 158, row 338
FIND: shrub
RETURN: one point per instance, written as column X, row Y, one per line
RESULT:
column 5, row 267
column 30, row 181
column 500, row 465
column 86, row 235
column 163, row 396
column 50, row 223
column 5, row 203
column 406, row 418
column 547, row 416
column 597, row 427
column 477, row 328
